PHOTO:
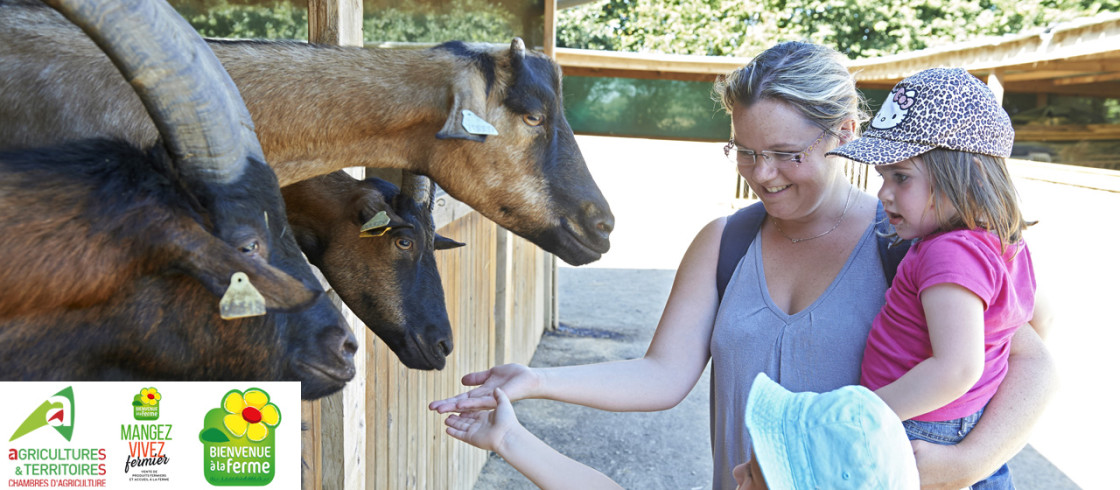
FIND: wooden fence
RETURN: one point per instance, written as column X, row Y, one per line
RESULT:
column 378, row 432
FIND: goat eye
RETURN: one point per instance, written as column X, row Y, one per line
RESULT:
column 533, row 119
column 250, row 247
column 404, row 243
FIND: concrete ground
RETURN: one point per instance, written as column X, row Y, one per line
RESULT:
column 663, row 192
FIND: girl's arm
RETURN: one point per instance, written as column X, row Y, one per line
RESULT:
column 1006, row 425
column 499, row 431
column 661, row 379
column 1043, row 315
column 955, row 318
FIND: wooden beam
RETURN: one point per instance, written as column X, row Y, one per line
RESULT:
column 1011, row 76
column 647, row 65
column 576, row 71
column 1087, row 79
column 1102, row 89
column 1108, row 63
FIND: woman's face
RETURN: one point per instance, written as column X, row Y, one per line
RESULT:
column 789, row 191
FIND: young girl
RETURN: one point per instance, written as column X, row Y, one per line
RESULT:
column 938, row 349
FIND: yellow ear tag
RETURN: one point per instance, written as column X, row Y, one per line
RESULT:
column 241, row 299
column 371, row 228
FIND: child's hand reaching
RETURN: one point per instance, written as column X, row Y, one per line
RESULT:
column 487, row 429
column 498, row 430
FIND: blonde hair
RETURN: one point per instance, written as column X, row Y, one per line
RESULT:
column 980, row 190
column 809, row 77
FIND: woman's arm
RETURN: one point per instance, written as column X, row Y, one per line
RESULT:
column 955, row 320
column 1006, row 425
column 499, row 431
column 662, row 378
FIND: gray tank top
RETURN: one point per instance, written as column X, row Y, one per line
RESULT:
column 818, row 349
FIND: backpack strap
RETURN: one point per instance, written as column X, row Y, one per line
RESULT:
column 743, row 226
column 889, row 255
column 738, row 233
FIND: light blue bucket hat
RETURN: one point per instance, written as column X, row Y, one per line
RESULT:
column 845, row 438
column 935, row 108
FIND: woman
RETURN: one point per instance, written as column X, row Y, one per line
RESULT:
column 801, row 301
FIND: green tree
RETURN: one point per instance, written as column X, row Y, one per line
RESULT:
column 461, row 20
column 856, row 28
column 272, row 19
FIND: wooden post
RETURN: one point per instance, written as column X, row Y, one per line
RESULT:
column 336, row 22
column 503, row 292
column 552, row 302
column 550, row 28
column 338, row 449
column 996, row 85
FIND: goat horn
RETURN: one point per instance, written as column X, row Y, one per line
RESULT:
column 418, row 187
column 195, row 105
column 517, row 47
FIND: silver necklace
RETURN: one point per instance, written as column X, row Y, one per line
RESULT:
column 830, row 230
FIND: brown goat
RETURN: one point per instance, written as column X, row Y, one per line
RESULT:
column 109, row 249
column 386, row 275
column 322, row 108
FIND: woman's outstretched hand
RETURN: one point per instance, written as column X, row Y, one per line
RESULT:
column 516, row 380
column 485, row 429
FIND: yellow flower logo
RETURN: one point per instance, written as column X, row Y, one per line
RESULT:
column 250, row 414
column 149, row 396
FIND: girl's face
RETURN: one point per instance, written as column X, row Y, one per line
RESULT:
column 906, row 196
column 788, row 190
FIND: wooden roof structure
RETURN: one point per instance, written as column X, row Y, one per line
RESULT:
column 1080, row 57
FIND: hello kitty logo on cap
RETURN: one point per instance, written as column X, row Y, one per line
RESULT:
column 935, row 108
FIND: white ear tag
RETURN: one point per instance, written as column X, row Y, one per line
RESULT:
column 241, row 299
column 477, row 125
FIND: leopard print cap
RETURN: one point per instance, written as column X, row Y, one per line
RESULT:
column 935, row 108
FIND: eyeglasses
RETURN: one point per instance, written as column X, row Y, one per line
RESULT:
column 744, row 157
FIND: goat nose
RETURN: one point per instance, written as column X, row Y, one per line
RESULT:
column 444, row 347
column 599, row 222
column 349, row 345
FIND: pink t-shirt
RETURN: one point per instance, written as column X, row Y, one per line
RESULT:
column 899, row 337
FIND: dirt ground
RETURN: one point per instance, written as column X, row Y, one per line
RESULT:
column 662, row 192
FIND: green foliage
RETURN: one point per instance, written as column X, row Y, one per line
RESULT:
column 856, row 28
column 462, row 20
column 275, row 20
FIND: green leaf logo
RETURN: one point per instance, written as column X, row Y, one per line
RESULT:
column 57, row 412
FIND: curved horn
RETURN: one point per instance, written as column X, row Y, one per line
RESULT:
column 418, row 187
column 197, row 108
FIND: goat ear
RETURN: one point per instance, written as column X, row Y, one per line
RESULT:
column 381, row 223
column 468, row 98
column 444, row 243
column 213, row 263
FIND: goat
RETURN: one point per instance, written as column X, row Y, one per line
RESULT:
column 323, row 108
column 385, row 273
column 114, row 254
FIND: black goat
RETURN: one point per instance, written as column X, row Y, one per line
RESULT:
column 114, row 257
